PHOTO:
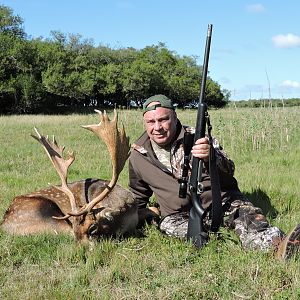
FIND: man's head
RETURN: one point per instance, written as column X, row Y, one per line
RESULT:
column 160, row 119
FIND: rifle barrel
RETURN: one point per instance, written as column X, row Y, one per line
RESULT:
column 201, row 122
column 205, row 64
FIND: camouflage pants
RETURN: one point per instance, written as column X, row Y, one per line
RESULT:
column 248, row 222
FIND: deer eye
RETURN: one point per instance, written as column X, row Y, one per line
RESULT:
column 92, row 230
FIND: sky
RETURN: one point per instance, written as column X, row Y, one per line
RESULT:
column 255, row 46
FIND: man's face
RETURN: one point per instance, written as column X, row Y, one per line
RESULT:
column 160, row 124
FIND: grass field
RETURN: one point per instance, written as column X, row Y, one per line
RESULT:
column 263, row 142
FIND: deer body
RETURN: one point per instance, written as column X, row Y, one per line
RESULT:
column 33, row 213
column 90, row 208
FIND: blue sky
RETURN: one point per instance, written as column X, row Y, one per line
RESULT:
column 255, row 47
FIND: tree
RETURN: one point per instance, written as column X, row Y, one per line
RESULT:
column 10, row 23
column 214, row 95
column 66, row 69
column 183, row 81
column 140, row 80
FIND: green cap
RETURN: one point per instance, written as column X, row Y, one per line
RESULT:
column 163, row 102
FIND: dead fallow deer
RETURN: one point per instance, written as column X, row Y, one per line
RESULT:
column 90, row 208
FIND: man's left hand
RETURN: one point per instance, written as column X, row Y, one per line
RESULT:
column 201, row 149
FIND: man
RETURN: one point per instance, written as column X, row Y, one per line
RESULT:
column 155, row 168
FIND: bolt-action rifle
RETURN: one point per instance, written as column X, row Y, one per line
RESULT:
column 197, row 233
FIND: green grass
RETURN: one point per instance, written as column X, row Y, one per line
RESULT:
column 265, row 145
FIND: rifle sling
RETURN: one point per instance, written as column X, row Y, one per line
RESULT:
column 217, row 209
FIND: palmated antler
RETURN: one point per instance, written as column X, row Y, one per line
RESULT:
column 61, row 165
column 118, row 146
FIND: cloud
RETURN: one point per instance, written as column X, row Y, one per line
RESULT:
column 286, row 41
column 255, row 8
column 290, row 84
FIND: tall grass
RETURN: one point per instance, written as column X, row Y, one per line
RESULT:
column 265, row 145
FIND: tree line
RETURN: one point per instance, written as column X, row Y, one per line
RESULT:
column 66, row 72
column 265, row 103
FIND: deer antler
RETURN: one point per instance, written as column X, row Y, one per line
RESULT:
column 118, row 146
column 55, row 153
